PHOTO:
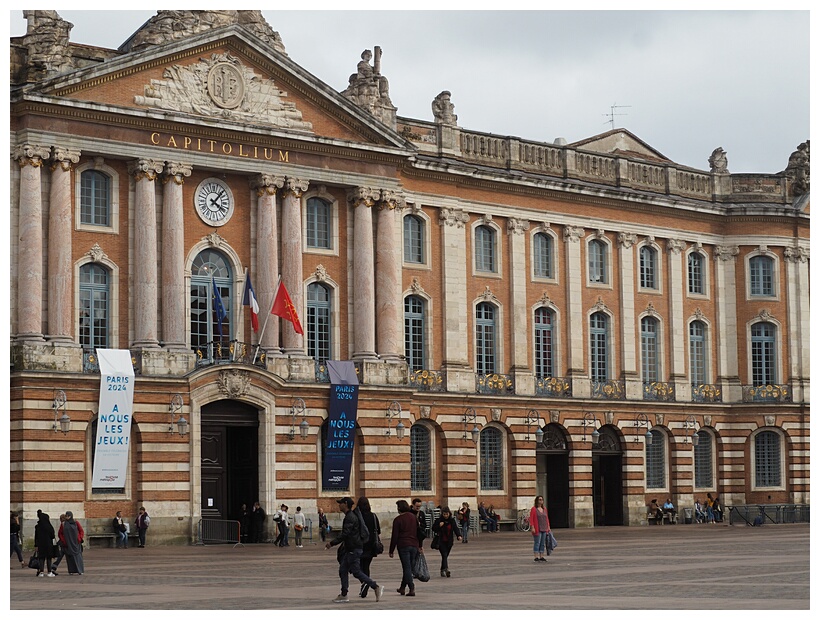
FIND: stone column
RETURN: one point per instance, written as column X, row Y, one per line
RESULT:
column 144, row 172
column 576, row 315
column 293, row 343
column 361, row 200
column 60, row 228
column 629, row 344
column 797, row 303
column 459, row 373
column 519, row 320
column 677, row 337
column 267, row 256
column 174, row 297
column 389, row 334
column 726, row 305
column 30, row 157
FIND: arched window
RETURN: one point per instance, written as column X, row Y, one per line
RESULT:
column 542, row 255
column 597, row 261
column 543, row 343
column 318, row 224
column 764, row 359
column 318, row 322
column 421, row 459
column 210, row 270
column 485, row 343
column 697, row 354
column 761, row 276
column 649, row 350
column 599, row 347
column 485, row 249
column 95, row 198
column 491, row 459
column 414, row 332
column 695, row 264
column 656, row 461
column 704, row 476
column 767, row 459
column 649, row 267
column 413, row 239
column 94, row 306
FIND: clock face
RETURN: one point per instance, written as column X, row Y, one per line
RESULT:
column 214, row 202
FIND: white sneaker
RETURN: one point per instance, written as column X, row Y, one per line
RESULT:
column 379, row 592
column 341, row 599
column 50, row 575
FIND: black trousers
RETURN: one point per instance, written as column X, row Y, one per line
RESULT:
column 444, row 549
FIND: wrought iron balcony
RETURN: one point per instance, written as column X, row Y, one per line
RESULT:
column 322, row 375
column 553, row 387
column 608, row 390
column 233, row 352
column 427, row 380
column 659, row 390
column 767, row 394
column 707, row 393
column 494, row 383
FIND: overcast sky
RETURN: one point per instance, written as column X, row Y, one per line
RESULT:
column 689, row 81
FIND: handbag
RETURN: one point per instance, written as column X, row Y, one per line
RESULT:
column 297, row 527
column 420, row 570
column 435, row 542
column 378, row 546
column 33, row 562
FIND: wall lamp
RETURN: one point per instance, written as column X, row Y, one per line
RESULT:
column 470, row 416
column 533, row 417
column 394, row 411
column 691, row 424
column 642, row 421
column 175, row 409
column 62, row 423
column 298, row 409
column 591, row 420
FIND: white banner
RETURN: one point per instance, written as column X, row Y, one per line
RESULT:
column 114, row 424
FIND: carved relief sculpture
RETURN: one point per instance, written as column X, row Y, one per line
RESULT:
column 47, row 40
column 443, row 109
column 798, row 170
column 369, row 89
column 718, row 162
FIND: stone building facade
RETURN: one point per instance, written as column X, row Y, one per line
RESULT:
column 484, row 283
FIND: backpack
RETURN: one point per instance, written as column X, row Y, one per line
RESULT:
column 364, row 533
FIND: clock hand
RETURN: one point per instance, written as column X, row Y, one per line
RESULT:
column 219, row 195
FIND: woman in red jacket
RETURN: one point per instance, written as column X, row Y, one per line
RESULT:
column 539, row 526
column 405, row 537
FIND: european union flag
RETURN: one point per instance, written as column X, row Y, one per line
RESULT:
column 219, row 308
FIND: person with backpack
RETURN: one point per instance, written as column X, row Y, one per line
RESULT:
column 352, row 539
column 369, row 550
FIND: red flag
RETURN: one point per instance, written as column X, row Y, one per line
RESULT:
column 283, row 307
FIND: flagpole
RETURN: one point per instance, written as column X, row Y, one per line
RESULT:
column 265, row 324
column 242, row 312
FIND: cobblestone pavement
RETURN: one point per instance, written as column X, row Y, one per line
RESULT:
column 673, row 567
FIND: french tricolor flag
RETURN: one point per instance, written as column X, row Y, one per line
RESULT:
column 249, row 299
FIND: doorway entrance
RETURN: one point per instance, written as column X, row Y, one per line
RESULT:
column 229, row 461
column 552, row 474
column 607, row 479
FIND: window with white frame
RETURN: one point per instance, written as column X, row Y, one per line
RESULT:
column 485, row 338
column 210, row 275
column 761, row 276
column 318, row 321
column 648, row 267
column 656, row 461
column 543, row 255
column 413, row 239
column 649, row 350
column 421, row 458
column 599, row 347
column 95, row 198
column 768, row 462
column 544, row 349
column 597, row 261
column 485, row 250
column 695, row 264
column 704, row 474
column 491, row 463
column 764, row 354
column 697, row 354
column 318, row 224
column 414, row 332
column 95, row 295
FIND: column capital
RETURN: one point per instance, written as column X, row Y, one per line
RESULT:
column 453, row 217
column 65, row 158
column 726, row 252
column 145, row 169
column 176, row 171
column 267, row 184
column 364, row 196
column 796, row 255
column 573, row 234
column 31, row 154
column 627, row 240
column 295, row 187
column 517, row 226
column 390, row 199
column 675, row 246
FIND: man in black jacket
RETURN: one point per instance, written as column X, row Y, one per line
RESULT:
column 350, row 553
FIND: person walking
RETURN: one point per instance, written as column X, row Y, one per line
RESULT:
column 299, row 525
column 323, row 525
column 257, row 523
column 368, row 548
column 60, row 546
column 142, row 522
column 120, row 530
column 446, row 530
column 539, row 528
column 43, row 542
column 349, row 554
column 73, row 544
column 15, row 538
column 464, row 520
column 405, row 538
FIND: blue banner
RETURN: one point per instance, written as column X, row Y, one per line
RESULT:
column 341, row 433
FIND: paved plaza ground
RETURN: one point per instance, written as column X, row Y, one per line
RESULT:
column 675, row 567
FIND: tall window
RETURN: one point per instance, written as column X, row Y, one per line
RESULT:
column 656, row 461
column 764, row 361
column 95, row 198
column 695, row 264
column 485, row 249
column 761, row 276
column 542, row 255
column 767, row 459
column 649, row 267
column 421, row 478
column 491, row 460
column 413, row 239
column 704, row 479
column 94, row 296
column 649, row 349
column 598, row 347
column 210, row 267
column 697, row 353
column 597, row 261
column 318, row 322
column 414, row 332
column 543, row 342
column 318, row 224
column 485, row 345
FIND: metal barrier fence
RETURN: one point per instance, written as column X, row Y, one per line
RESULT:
column 216, row 531
column 770, row 513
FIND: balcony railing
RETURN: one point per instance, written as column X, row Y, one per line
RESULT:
column 233, row 352
column 706, row 393
column 553, row 387
column 608, row 390
column 427, row 380
column 659, row 390
column 91, row 364
column 494, row 383
column 321, row 372
column 767, row 394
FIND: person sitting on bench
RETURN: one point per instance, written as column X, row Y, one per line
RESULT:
column 655, row 511
column 492, row 524
column 669, row 509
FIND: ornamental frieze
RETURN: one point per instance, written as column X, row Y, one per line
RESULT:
column 233, row 383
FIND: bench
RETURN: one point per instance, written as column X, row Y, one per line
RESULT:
column 668, row 517
column 508, row 524
column 107, row 540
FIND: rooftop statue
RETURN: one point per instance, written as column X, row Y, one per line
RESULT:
column 443, row 109
column 369, row 89
column 718, row 162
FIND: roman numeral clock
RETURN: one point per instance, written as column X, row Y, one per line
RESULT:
column 213, row 201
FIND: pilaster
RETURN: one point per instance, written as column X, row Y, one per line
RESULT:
column 575, row 276
column 797, row 304
column 726, row 303
column 677, row 337
column 520, row 324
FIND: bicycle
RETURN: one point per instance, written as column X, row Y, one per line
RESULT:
column 522, row 523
